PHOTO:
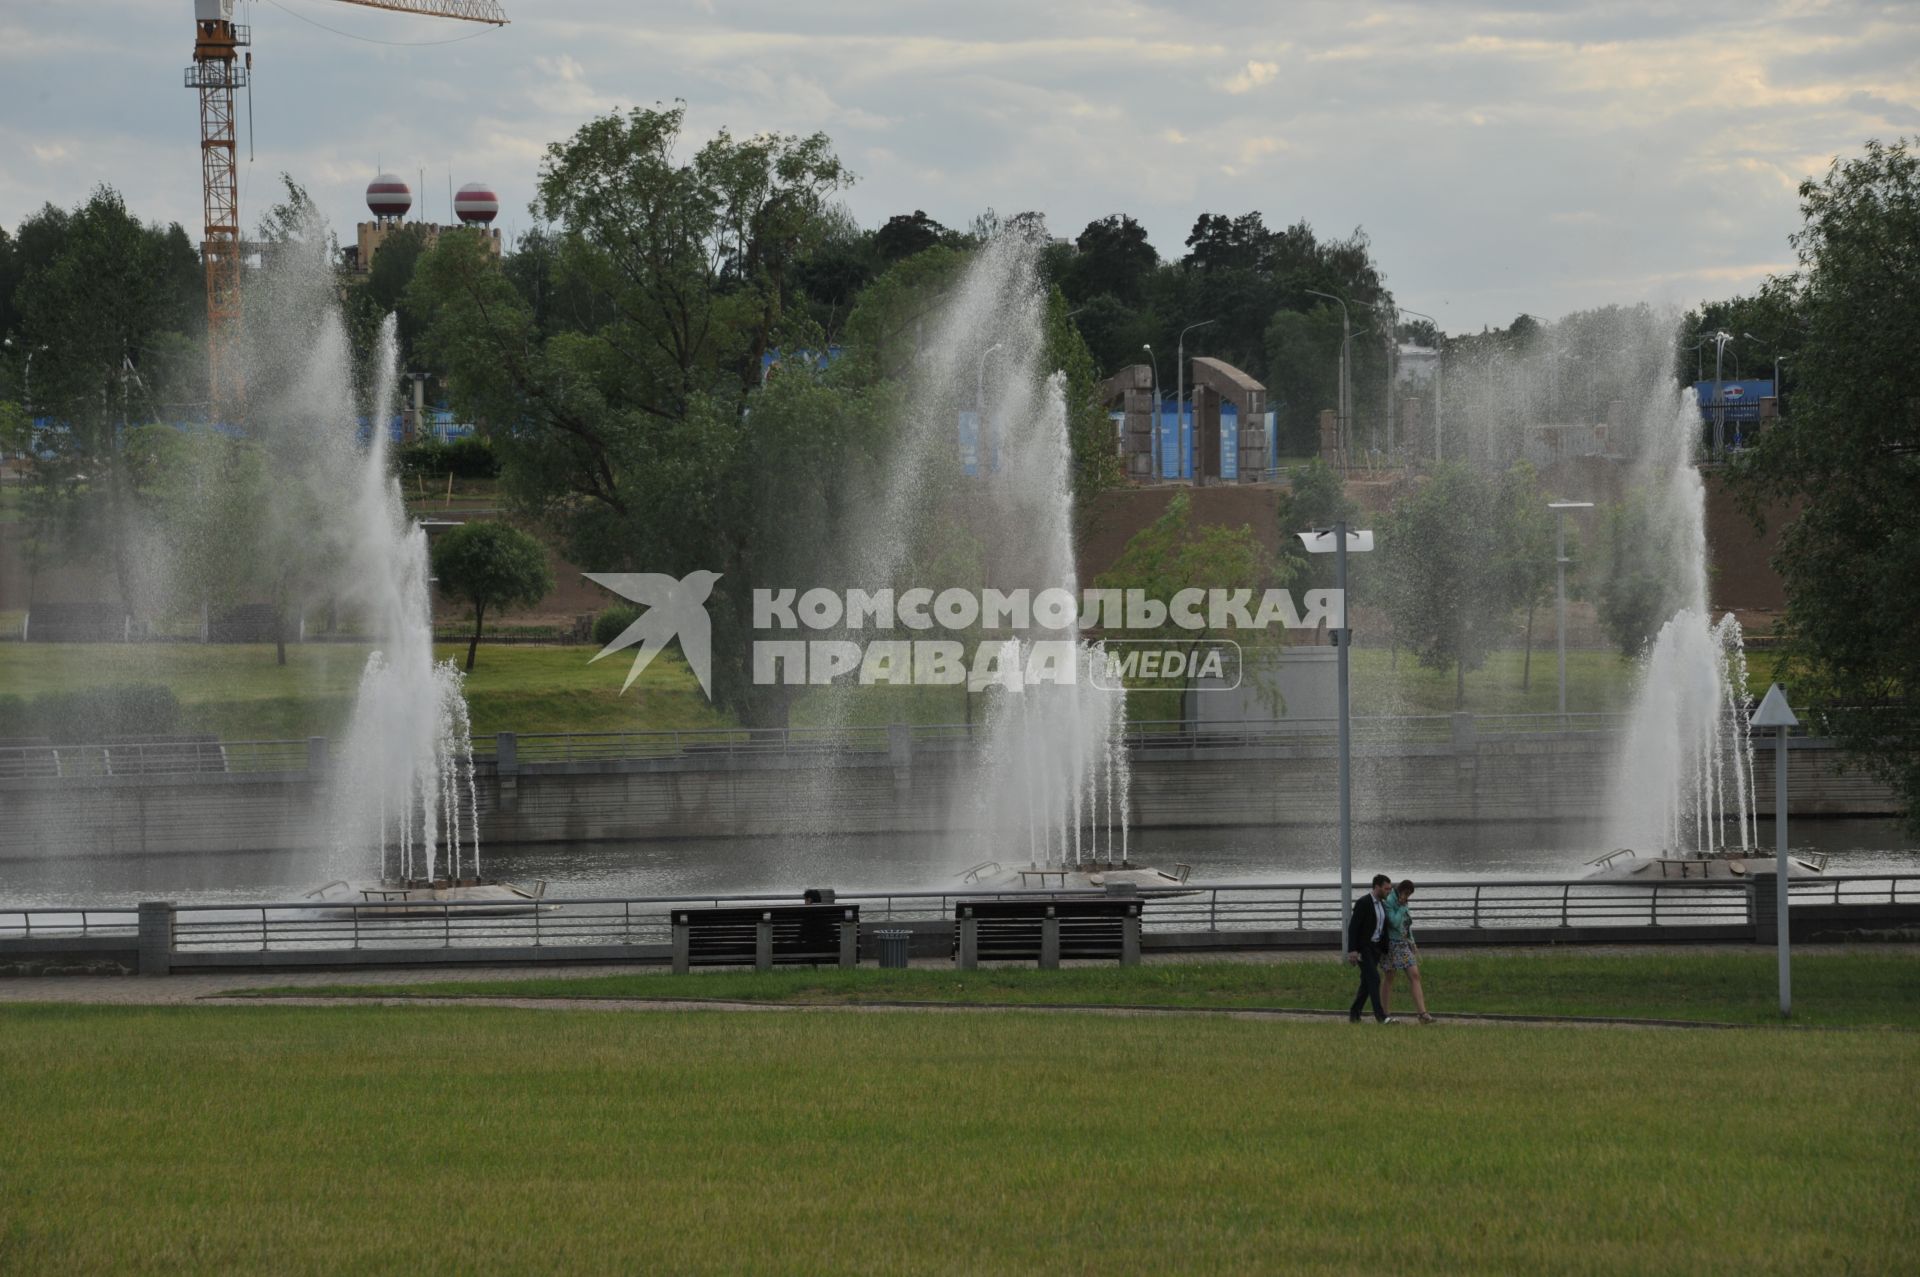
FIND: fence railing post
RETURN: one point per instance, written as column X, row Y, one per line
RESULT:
column 969, row 939
column 1050, row 941
column 763, row 943
column 155, row 944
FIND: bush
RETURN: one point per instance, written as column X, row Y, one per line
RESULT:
column 470, row 457
column 91, row 715
column 607, row 625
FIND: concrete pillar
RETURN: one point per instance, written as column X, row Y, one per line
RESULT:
column 763, row 943
column 681, row 945
column 316, row 756
column 969, row 956
column 849, row 939
column 156, row 937
column 1050, row 941
column 1130, row 938
column 506, row 753
column 1464, row 735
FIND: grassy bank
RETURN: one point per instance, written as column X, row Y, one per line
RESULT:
column 1880, row 988
column 238, row 692
column 424, row 1140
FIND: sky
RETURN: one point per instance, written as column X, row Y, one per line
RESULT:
column 1503, row 157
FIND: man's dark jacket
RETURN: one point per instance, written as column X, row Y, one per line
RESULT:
column 1360, row 926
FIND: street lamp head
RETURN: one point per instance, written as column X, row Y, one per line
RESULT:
column 1323, row 541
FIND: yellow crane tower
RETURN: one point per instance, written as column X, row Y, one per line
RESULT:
column 219, row 67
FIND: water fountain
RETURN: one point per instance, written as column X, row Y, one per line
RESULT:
column 1047, row 784
column 402, row 800
column 1682, row 798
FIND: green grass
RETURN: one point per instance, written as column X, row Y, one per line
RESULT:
column 1829, row 988
column 424, row 1140
column 238, row 692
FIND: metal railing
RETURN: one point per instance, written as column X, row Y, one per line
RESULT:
column 1205, row 913
column 151, row 758
column 37, row 760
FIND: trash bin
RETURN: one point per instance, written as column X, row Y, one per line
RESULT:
column 893, row 948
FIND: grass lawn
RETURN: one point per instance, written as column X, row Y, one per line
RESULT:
column 1828, row 988
column 417, row 1140
column 238, row 692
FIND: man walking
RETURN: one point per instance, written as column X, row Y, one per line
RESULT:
column 1366, row 942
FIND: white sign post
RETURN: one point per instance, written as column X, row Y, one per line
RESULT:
column 1774, row 712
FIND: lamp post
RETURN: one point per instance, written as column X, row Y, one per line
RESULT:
column 1153, row 433
column 981, row 440
column 1339, row 540
column 1774, row 712
column 1346, row 364
column 1560, row 562
column 1720, row 340
column 1180, row 393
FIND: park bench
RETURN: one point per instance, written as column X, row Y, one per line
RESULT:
column 765, row 935
column 1046, row 931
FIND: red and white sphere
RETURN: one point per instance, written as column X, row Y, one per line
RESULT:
column 476, row 204
column 388, row 196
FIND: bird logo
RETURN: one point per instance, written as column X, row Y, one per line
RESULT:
column 674, row 609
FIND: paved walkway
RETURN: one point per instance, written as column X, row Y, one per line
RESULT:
column 206, row 989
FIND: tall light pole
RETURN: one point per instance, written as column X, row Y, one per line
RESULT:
column 1339, row 541
column 1346, row 363
column 981, row 441
column 1180, row 393
column 1774, row 712
column 1153, row 435
column 1720, row 340
column 1560, row 562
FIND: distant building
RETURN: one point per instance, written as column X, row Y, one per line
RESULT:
column 389, row 198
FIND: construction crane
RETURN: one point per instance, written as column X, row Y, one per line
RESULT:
column 219, row 67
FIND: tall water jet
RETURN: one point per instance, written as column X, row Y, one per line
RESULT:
column 1048, row 776
column 1684, row 777
column 406, row 784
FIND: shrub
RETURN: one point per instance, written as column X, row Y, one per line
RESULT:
column 607, row 625
column 89, row 715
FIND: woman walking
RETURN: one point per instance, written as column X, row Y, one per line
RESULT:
column 1402, row 953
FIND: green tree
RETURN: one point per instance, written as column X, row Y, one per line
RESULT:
column 1446, row 570
column 1635, row 593
column 1112, row 257
column 1090, row 434
column 1851, row 449
column 1316, row 498
column 490, row 565
column 1172, row 554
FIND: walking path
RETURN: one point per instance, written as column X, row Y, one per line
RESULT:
column 211, row 989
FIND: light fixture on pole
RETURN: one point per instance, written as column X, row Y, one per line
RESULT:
column 1340, row 541
column 1346, row 363
column 1153, row 433
column 1560, row 562
column 1774, row 712
column 1180, row 394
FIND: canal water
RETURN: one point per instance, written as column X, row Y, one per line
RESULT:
column 916, row 862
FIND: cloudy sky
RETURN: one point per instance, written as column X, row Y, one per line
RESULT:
column 1504, row 157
